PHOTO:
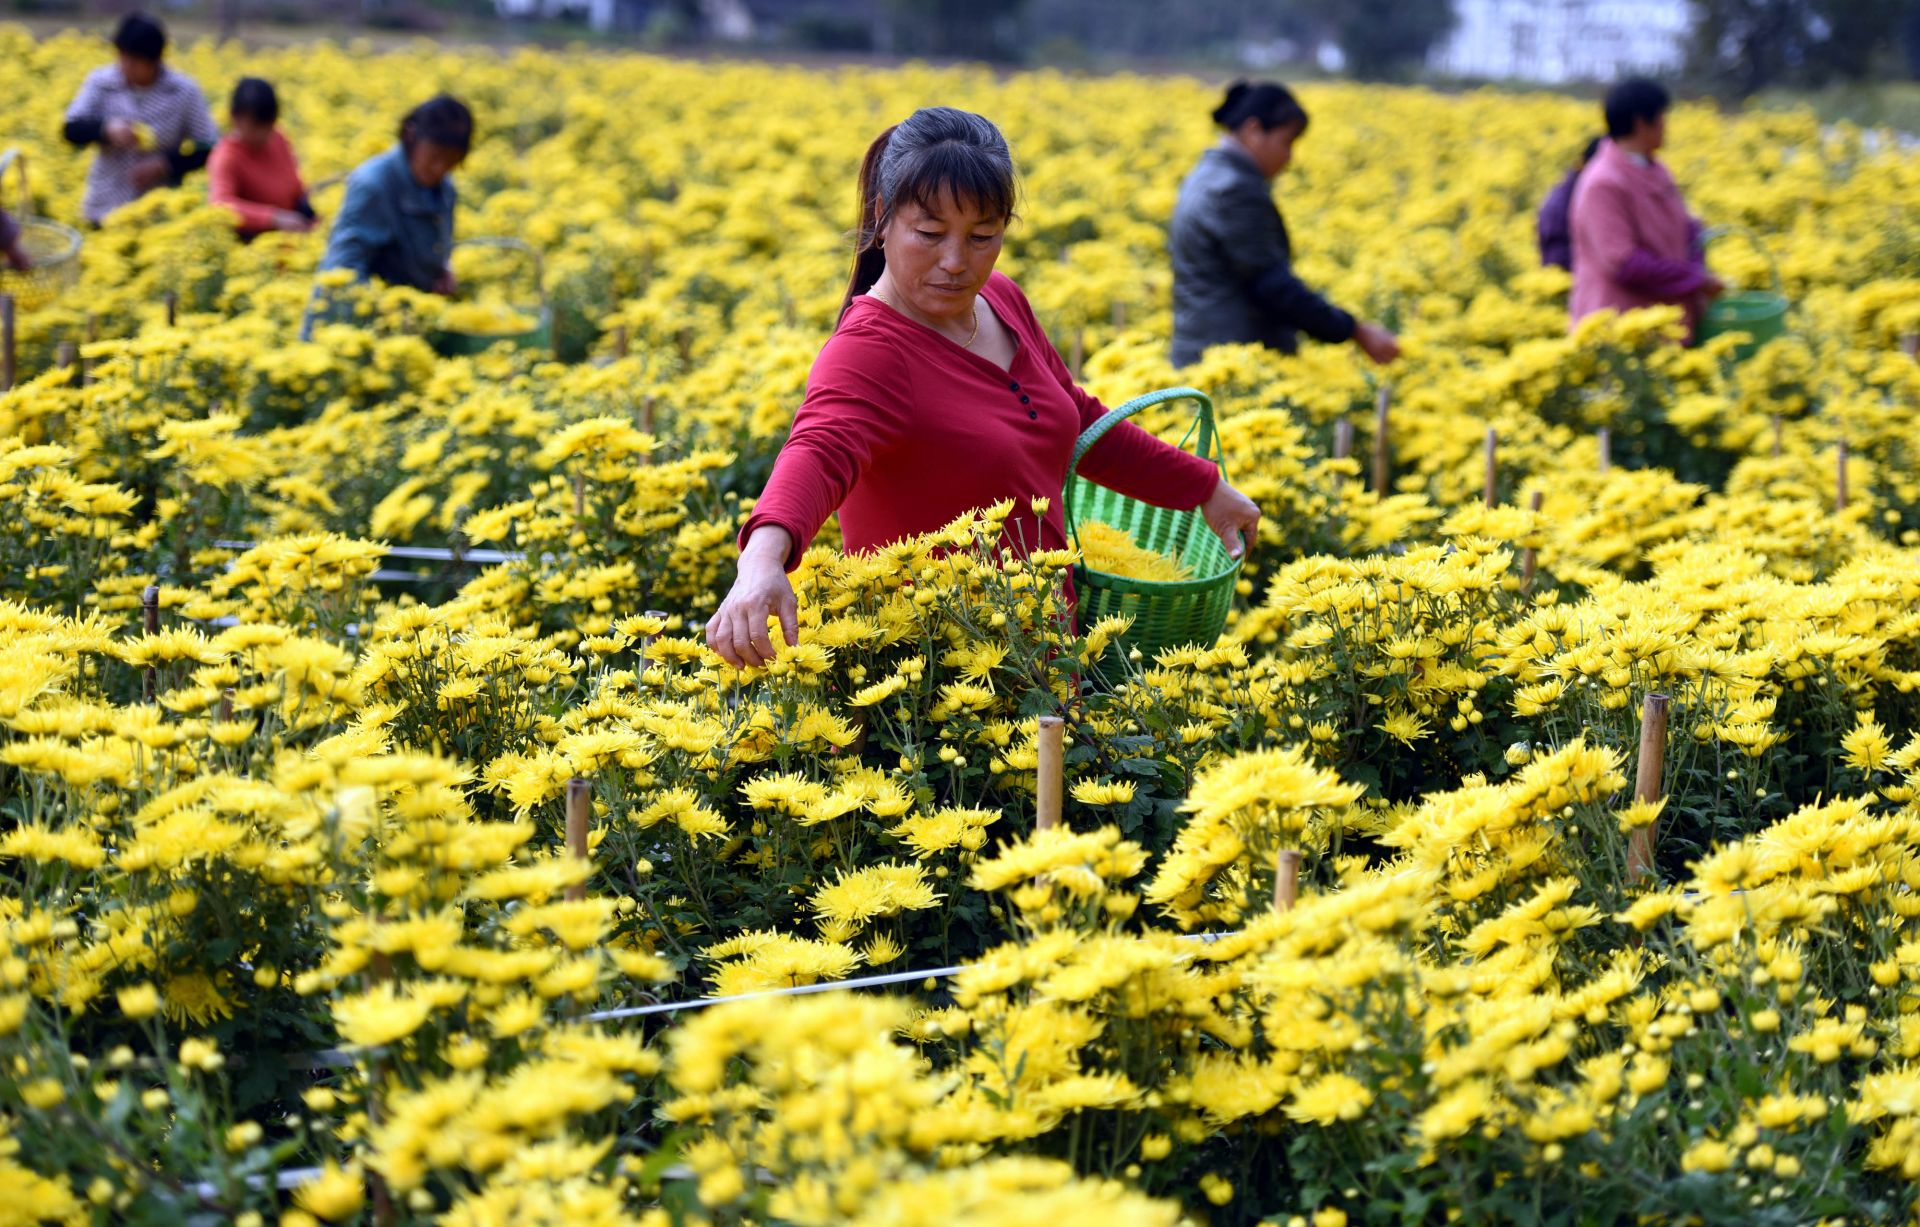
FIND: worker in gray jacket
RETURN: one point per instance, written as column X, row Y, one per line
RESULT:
column 1233, row 279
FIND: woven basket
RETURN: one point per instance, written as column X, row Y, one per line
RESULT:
column 453, row 344
column 1165, row 614
column 53, row 249
column 1760, row 314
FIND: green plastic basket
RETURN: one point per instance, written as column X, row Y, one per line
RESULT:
column 1165, row 614
column 451, row 344
column 1760, row 314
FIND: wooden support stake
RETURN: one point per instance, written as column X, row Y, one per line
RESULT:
column 172, row 301
column 150, row 623
column 1286, row 881
column 1530, row 558
column 579, row 495
column 65, row 355
column 579, row 812
column 226, row 705
column 1119, row 315
column 1605, row 439
column 1910, row 344
column 1840, row 476
column 7, row 347
column 1382, row 402
column 1649, row 781
column 1491, row 495
column 1052, row 744
column 646, row 641
column 1342, row 439
column 1077, row 359
column 1779, row 429
column 620, row 341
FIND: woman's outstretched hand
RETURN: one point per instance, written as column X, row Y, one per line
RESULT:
column 1233, row 516
column 738, row 629
column 1379, row 344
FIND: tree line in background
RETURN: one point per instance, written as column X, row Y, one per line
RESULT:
column 1737, row 48
column 1740, row 47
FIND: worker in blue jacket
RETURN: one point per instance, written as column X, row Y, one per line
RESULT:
column 396, row 224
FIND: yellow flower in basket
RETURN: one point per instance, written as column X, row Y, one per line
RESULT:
column 1106, row 548
column 486, row 319
column 143, row 137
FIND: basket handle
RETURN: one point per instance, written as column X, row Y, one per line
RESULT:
column 504, row 243
column 1713, row 233
column 18, row 161
column 1206, row 445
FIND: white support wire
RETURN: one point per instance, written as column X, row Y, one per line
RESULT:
column 797, row 990
column 341, row 1058
column 419, row 553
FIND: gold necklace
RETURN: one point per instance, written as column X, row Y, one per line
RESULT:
column 973, row 336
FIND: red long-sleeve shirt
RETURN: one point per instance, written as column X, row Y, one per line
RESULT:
column 254, row 182
column 903, row 430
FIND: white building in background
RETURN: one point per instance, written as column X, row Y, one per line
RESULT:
column 1559, row 41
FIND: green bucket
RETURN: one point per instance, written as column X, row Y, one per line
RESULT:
column 1165, row 613
column 1761, row 314
column 450, row 344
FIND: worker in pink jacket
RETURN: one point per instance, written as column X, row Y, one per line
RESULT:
column 1634, row 243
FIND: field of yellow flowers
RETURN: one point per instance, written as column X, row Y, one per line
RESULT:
column 290, row 930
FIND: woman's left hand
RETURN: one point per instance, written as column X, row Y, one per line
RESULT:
column 1233, row 516
column 150, row 171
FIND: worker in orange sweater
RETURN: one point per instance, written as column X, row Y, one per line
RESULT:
column 252, row 170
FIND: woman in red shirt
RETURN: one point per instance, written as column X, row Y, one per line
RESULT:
column 939, row 392
column 252, row 170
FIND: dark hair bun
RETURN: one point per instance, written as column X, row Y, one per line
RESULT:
column 1224, row 113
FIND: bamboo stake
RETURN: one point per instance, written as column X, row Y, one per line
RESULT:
column 1840, row 476
column 1491, row 494
column 150, row 623
column 1077, row 359
column 1779, row 429
column 1119, row 315
column 1342, row 439
column 172, row 300
column 579, row 811
column 7, row 349
column 1286, row 881
column 379, row 969
column 66, row 355
column 1649, row 783
column 1530, row 559
column 226, row 705
column 1910, row 344
column 1605, row 439
column 1382, row 403
column 579, row 495
column 1052, row 744
column 620, row 341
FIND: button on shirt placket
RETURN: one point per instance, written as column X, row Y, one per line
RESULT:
column 1013, row 385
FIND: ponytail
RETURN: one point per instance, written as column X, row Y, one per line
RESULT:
column 869, row 260
column 1269, row 102
column 1236, row 97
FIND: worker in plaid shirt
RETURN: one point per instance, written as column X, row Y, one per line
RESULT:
column 151, row 123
